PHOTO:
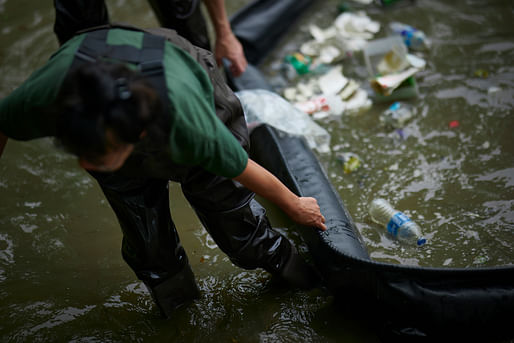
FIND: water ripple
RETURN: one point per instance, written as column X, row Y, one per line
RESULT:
column 504, row 175
column 6, row 248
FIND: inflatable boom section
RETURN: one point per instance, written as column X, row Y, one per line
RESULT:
column 405, row 301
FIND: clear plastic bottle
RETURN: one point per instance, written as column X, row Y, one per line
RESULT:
column 414, row 39
column 397, row 223
column 397, row 115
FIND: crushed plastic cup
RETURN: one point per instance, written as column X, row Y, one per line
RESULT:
column 376, row 50
column 390, row 65
column 394, row 61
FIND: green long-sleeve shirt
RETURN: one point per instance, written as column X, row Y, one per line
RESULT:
column 197, row 136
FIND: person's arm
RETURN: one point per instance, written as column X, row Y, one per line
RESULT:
column 3, row 142
column 227, row 45
column 303, row 210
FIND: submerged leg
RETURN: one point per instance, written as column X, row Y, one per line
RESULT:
column 239, row 226
column 76, row 15
column 151, row 245
column 185, row 17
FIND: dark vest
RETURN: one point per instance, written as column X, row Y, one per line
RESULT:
column 149, row 160
column 148, row 59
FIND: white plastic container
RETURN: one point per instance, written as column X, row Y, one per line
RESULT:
column 374, row 52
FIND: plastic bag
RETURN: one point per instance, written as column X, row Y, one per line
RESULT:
column 262, row 106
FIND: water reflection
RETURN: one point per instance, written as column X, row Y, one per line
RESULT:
column 6, row 252
column 60, row 317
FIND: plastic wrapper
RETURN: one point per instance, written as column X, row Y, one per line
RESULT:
column 262, row 106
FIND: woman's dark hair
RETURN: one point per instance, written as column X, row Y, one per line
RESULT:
column 100, row 96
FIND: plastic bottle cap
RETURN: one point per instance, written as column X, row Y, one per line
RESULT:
column 395, row 106
column 421, row 241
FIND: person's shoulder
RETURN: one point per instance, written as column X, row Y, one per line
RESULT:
column 68, row 49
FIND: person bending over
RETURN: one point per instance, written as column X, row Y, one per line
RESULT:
column 140, row 108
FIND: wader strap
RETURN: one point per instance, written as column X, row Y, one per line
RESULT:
column 148, row 59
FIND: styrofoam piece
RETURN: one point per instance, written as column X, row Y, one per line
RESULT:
column 333, row 81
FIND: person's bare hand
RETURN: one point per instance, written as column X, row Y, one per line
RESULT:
column 230, row 48
column 303, row 210
column 308, row 213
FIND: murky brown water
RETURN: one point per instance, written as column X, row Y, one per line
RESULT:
column 61, row 273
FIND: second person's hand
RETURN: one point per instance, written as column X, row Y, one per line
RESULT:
column 308, row 213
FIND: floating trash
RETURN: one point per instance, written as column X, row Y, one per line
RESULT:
column 453, row 124
column 385, row 85
column 351, row 162
column 413, row 38
column 262, row 106
column 493, row 90
column 393, row 61
column 347, row 34
column 351, row 87
column 391, row 69
column 397, row 115
column 358, row 102
column 329, row 94
column 481, row 73
column 356, row 25
column 299, row 62
column 333, row 82
column 314, row 105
